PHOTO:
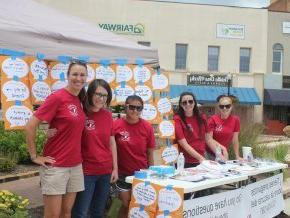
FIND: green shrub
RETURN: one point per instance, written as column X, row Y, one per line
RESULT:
column 248, row 136
column 13, row 205
column 14, row 142
column 7, row 164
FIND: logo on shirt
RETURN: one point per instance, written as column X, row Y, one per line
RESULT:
column 219, row 128
column 73, row 110
column 90, row 124
column 190, row 127
column 125, row 136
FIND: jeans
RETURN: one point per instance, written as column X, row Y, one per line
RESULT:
column 94, row 198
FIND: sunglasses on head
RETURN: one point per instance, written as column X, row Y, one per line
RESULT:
column 227, row 106
column 134, row 107
column 101, row 95
column 190, row 102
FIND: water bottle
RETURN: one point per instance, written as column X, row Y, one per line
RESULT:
column 180, row 163
column 218, row 154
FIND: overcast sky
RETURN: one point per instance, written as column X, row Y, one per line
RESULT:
column 240, row 3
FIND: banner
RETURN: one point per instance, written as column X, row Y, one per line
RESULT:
column 264, row 198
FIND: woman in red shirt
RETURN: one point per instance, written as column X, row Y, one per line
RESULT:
column 98, row 151
column 61, row 174
column 135, row 144
column 225, row 127
column 191, row 130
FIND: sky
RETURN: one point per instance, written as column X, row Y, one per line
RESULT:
column 239, row 3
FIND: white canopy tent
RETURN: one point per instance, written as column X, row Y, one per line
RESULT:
column 31, row 27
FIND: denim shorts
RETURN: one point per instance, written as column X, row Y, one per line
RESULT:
column 122, row 185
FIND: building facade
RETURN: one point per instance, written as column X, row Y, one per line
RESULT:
column 277, row 77
column 191, row 39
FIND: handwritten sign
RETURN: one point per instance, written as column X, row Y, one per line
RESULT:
column 39, row 70
column 15, row 90
column 149, row 112
column 169, row 154
column 123, row 73
column 166, row 129
column 160, row 82
column 144, row 92
column 139, row 212
column 123, row 92
column 170, row 200
column 17, row 116
column 58, row 70
column 16, row 67
column 141, row 74
column 144, row 194
column 40, row 91
column 164, row 106
column 105, row 73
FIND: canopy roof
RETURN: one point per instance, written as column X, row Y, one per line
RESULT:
column 31, row 27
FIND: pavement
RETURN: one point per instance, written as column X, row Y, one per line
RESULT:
column 29, row 187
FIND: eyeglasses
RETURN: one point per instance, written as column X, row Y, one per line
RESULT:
column 135, row 107
column 101, row 95
column 227, row 106
column 190, row 102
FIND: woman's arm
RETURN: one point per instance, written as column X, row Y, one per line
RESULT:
column 150, row 158
column 30, row 130
column 212, row 144
column 236, row 145
column 190, row 150
column 114, row 176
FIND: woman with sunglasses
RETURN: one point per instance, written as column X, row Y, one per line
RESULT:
column 191, row 131
column 225, row 127
column 61, row 174
column 99, row 152
column 135, row 144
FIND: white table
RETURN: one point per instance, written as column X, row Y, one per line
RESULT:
column 266, row 169
column 194, row 186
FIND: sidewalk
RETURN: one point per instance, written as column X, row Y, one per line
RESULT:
column 30, row 188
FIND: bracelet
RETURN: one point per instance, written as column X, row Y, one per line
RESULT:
column 33, row 157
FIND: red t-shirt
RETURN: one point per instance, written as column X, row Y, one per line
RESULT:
column 194, row 137
column 224, row 129
column 133, row 141
column 96, row 149
column 63, row 111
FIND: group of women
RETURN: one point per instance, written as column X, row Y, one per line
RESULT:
column 88, row 150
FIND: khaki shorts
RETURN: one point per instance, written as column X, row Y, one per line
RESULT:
column 61, row 180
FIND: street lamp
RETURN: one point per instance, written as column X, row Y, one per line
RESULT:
column 229, row 79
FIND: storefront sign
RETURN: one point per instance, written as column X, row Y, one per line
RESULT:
column 286, row 27
column 286, row 82
column 230, row 31
column 208, row 79
column 127, row 29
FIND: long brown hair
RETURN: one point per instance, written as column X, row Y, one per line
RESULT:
column 196, row 112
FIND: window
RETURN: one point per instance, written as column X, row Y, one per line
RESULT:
column 148, row 44
column 245, row 56
column 277, row 58
column 180, row 56
column 213, row 58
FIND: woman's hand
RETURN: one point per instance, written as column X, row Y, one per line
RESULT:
column 224, row 152
column 44, row 161
column 114, row 176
